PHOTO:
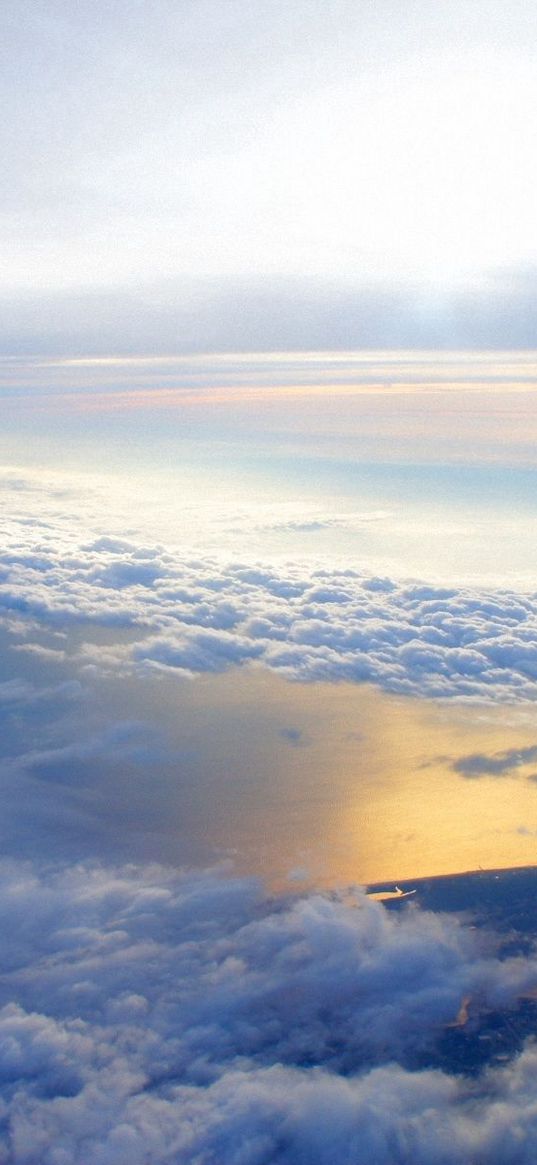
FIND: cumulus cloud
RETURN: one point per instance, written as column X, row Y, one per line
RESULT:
column 196, row 615
column 152, row 1015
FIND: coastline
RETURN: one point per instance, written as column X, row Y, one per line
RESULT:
column 504, row 898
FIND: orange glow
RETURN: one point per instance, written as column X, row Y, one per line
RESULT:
column 367, row 791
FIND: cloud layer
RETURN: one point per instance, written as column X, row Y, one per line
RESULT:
column 207, row 615
column 149, row 1015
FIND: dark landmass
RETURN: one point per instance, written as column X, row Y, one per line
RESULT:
column 505, row 900
column 504, row 903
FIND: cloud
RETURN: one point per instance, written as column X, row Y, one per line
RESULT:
column 150, row 1014
column 492, row 311
column 203, row 615
column 295, row 737
column 499, row 764
column 17, row 693
column 313, row 525
column 123, row 741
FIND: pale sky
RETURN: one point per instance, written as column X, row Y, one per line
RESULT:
column 262, row 174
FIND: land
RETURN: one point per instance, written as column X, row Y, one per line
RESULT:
column 503, row 905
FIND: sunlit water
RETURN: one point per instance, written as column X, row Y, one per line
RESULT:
column 298, row 783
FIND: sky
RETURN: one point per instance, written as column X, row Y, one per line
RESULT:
column 268, row 616
column 406, row 464
column 205, row 176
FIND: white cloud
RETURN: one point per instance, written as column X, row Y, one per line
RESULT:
column 181, row 1017
column 206, row 615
